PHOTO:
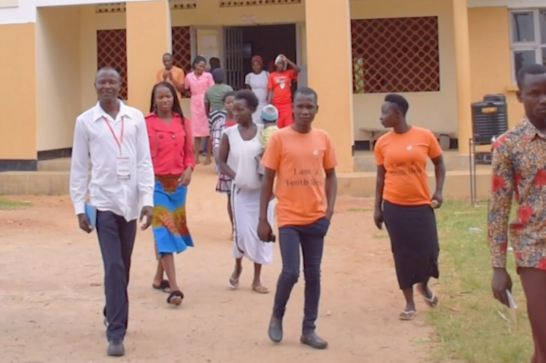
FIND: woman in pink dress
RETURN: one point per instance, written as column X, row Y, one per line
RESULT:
column 197, row 82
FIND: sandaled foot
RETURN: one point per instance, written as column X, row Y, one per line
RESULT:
column 429, row 296
column 162, row 286
column 260, row 289
column 275, row 330
column 175, row 298
column 207, row 162
column 233, row 282
column 407, row 315
column 313, row 340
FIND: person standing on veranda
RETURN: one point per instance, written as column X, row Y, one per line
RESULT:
column 303, row 160
column 519, row 173
column 171, row 74
column 114, row 136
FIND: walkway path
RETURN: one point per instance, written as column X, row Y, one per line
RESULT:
column 51, row 294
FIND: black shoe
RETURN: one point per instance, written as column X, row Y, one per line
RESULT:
column 116, row 348
column 313, row 340
column 275, row 330
column 105, row 321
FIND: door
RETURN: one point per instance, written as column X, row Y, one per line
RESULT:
column 233, row 45
column 206, row 42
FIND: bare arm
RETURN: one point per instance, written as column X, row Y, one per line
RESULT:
column 293, row 65
column 440, row 173
column 267, row 192
column 331, row 191
column 207, row 108
column 379, row 185
column 269, row 95
column 222, row 158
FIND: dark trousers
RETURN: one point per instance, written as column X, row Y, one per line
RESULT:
column 534, row 286
column 116, row 240
column 311, row 239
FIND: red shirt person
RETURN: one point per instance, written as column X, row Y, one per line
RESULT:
column 280, row 89
column 519, row 173
column 173, row 160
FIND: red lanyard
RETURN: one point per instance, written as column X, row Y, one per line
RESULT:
column 120, row 140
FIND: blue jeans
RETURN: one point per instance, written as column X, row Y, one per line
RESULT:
column 311, row 239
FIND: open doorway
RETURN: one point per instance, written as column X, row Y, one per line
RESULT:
column 267, row 41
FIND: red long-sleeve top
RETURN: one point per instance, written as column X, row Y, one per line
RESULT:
column 170, row 144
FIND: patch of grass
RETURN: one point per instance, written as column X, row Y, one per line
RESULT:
column 468, row 324
column 12, row 204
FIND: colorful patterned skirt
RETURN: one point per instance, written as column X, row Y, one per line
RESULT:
column 169, row 224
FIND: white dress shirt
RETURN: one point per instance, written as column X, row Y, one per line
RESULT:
column 93, row 138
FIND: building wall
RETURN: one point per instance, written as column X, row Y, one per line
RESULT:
column 17, row 92
column 490, row 57
column 57, row 76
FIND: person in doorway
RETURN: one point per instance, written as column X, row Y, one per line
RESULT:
column 214, row 96
column 518, row 170
column 257, row 81
column 238, row 149
column 280, row 89
column 404, row 203
column 173, row 160
column 122, row 178
column 224, row 182
column 214, row 64
column 303, row 160
column 197, row 82
column 172, row 74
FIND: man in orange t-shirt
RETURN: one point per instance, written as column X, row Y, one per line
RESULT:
column 303, row 160
column 279, row 89
column 171, row 74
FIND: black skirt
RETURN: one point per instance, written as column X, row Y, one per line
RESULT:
column 414, row 242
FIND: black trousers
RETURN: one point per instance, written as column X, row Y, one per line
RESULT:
column 116, row 240
column 311, row 240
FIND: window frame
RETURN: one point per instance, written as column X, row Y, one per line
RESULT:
column 536, row 46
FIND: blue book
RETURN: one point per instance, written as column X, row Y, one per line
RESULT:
column 91, row 213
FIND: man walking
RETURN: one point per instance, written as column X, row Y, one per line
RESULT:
column 303, row 160
column 114, row 136
column 519, row 169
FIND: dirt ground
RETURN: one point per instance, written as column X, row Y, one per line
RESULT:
column 51, row 293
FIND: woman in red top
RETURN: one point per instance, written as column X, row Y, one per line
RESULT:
column 173, row 159
column 280, row 89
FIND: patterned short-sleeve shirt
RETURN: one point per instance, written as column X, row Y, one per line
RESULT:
column 519, row 172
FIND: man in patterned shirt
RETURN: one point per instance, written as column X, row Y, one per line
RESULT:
column 519, row 170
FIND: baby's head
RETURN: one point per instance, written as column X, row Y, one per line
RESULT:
column 270, row 114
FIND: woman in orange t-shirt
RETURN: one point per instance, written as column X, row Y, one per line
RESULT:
column 279, row 89
column 403, row 200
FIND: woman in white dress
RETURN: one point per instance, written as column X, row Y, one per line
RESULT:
column 239, row 148
column 257, row 82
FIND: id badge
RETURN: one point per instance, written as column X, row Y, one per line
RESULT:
column 123, row 167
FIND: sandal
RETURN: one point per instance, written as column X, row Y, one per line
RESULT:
column 163, row 286
column 233, row 282
column 432, row 301
column 260, row 289
column 175, row 298
column 407, row 315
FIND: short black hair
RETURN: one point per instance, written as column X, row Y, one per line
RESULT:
column 169, row 54
column 533, row 69
column 228, row 94
column 250, row 98
column 108, row 69
column 306, row 91
column 400, row 102
column 197, row 60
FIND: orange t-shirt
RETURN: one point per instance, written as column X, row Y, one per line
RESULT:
column 300, row 161
column 404, row 157
column 281, row 84
column 178, row 74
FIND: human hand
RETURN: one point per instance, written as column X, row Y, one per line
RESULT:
column 84, row 224
column 170, row 75
column 165, row 75
column 185, row 178
column 378, row 218
column 264, row 231
column 437, row 200
column 329, row 214
column 146, row 213
column 500, row 283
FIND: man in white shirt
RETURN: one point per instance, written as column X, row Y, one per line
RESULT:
column 114, row 136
